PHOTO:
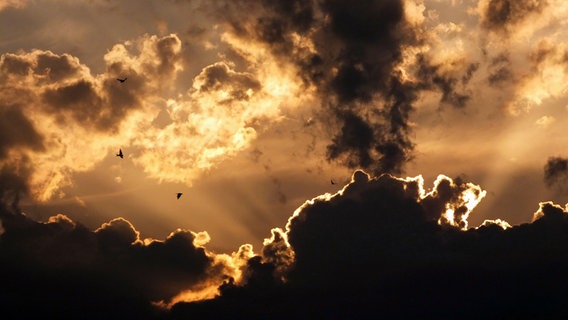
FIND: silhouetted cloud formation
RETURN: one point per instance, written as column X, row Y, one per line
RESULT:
column 363, row 43
column 62, row 268
column 378, row 248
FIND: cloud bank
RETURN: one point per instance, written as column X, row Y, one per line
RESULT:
column 379, row 248
column 381, row 245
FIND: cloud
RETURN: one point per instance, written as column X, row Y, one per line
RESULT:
column 60, row 264
column 219, row 116
column 48, row 96
column 361, row 62
column 500, row 70
column 349, row 58
column 523, row 51
column 556, row 171
column 378, row 248
column 12, row 3
column 378, row 244
column 502, row 14
column 382, row 245
column 434, row 76
column 17, row 131
column 545, row 121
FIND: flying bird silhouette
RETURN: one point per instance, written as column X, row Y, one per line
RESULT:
column 121, row 80
column 119, row 154
column 179, row 195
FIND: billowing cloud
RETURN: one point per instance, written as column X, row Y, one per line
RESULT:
column 60, row 108
column 376, row 248
column 74, row 266
column 221, row 114
column 349, row 57
column 47, row 96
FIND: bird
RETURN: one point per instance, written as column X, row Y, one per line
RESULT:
column 179, row 195
column 121, row 80
column 119, row 154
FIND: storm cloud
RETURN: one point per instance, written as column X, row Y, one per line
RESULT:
column 378, row 248
column 63, row 268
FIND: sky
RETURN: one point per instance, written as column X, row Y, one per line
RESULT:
column 313, row 141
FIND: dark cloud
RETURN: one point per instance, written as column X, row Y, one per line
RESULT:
column 382, row 247
column 377, row 251
column 542, row 51
column 350, row 52
column 84, row 104
column 501, row 14
column 356, row 139
column 80, row 99
column 368, row 38
column 60, row 267
column 556, row 171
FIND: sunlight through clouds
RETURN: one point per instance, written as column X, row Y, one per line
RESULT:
column 312, row 131
column 220, row 115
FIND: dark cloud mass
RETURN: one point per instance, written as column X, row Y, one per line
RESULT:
column 63, row 268
column 369, row 37
column 353, row 62
column 382, row 247
column 377, row 251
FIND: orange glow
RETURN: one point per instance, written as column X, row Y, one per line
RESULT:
column 501, row 223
